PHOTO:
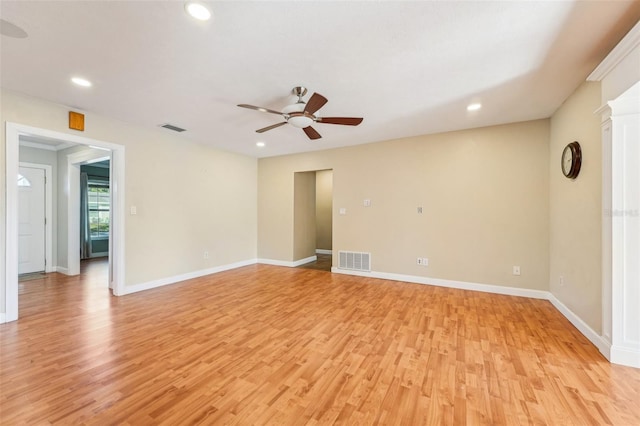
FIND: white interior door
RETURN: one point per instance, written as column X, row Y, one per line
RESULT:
column 31, row 220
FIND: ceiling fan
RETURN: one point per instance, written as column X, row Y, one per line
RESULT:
column 301, row 114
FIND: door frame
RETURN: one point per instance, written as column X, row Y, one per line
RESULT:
column 116, row 262
column 48, row 211
column 74, row 161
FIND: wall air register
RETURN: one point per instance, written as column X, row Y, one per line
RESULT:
column 354, row 260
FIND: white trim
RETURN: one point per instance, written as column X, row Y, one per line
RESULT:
column 607, row 226
column 117, row 215
column 48, row 211
column 62, row 270
column 288, row 263
column 462, row 285
column 305, row 261
column 582, row 326
column 44, row 146
column 12, row 143
column 183, row 277
column 604, row 111
column 323, row 251
column 622, row 49
column 625, row 356
column 11, row 223
column 38, row 145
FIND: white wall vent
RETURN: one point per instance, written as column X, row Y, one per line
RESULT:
column 354, row 260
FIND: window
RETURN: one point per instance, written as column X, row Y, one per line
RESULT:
column 23, row 181
column 98, row 195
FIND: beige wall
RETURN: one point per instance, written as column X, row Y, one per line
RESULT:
column 195, row 197
column 484, row 194
column 576, row 208
column 324, row 208
column 304, row 215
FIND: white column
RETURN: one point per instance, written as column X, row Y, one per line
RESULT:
column 606, row 227
column 624, row 219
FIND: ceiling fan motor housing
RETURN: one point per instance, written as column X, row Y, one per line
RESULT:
column 296, row 116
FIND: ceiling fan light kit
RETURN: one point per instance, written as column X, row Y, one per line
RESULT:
column 302, row 114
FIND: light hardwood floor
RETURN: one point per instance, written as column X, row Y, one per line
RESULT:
column 271, row 345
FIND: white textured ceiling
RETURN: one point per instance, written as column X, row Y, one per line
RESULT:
column 408, row 68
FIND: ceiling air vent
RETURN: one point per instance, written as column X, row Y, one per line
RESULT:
column 174, row 128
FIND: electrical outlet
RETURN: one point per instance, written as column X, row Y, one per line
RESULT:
column 419, row 210
column 516, row 270
column 367, row 203
column 420, row 261
column 206, row 255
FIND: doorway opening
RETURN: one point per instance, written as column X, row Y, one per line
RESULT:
column 66, row 232
column 313, row 219
column 45, row 200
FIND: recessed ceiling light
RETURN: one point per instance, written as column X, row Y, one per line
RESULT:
column 260, row 144
column 81, row 82
column 474, row 107
column 198, row 10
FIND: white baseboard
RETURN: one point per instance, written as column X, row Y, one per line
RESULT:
column 3, row 318
column 625, row 356
column 582, row 326
column 323, row 251
column 462, row 285
column 128, row 289
column 305, row 260
column 62, row 270
column 288, row 263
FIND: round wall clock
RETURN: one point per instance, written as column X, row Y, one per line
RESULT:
column 571, row 160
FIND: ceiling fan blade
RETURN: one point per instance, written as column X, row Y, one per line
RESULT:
column 347, row 121
column 316, row 101
column 264, row 129
column 261, row 109
column 311, row 132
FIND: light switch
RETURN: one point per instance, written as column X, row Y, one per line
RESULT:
column 134, row 210
column 343, row 211
column 367, row 203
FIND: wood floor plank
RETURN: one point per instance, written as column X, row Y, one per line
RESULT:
column 271, row 345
